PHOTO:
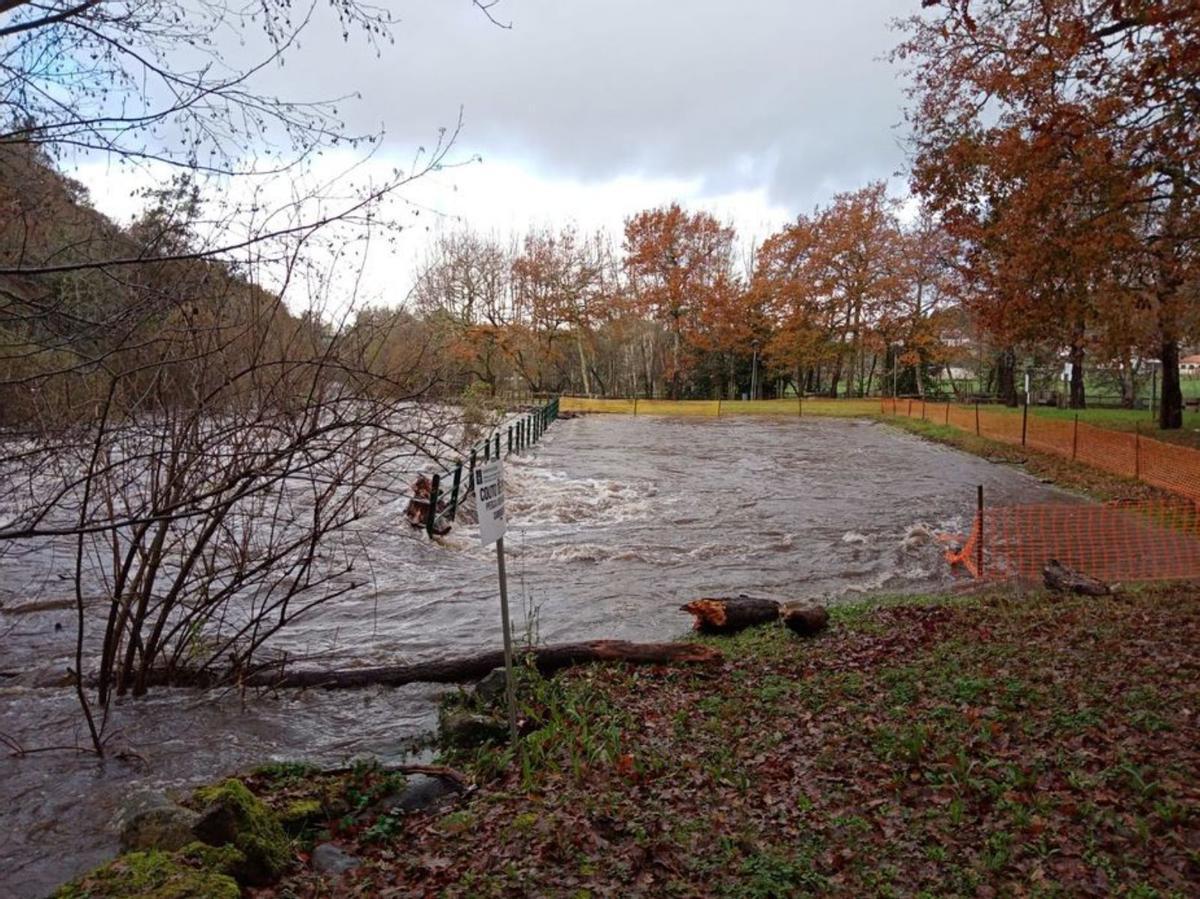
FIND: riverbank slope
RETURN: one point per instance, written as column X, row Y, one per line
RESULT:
column 995, row 744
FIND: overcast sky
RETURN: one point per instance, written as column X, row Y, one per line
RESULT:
column 589, row 111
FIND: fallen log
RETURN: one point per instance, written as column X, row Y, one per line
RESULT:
column 731, row 614
column 804, row 618
column 1064, row 579
column 547, row 659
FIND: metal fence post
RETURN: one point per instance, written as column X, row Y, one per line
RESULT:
column 510, row 440
column 487, row 448
column 1025, row 418
column 454, row 491
column 979, row 545
column 431, row 514
column 977, row 418
column 947, row 412
column 497, row 444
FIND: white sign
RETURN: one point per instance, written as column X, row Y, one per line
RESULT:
column 489, row 501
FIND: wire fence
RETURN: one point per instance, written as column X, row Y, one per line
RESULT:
column 437, row 500
column 795, row 407
column 1125, row 453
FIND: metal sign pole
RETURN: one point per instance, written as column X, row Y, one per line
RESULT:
column 509, row 673
column 493, row 522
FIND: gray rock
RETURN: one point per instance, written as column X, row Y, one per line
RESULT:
column 422, row 791
column 147, row 819
column 490, row 690
column 216, row 824
column 330, row 859
column 462, row 728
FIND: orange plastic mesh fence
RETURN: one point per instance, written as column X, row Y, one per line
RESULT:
column 794, row 407
column 1125, row 453
column 1123, row 542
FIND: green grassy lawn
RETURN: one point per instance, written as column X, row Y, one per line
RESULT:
column 1047, row 467
column 1001, row 745
column 1118, row 419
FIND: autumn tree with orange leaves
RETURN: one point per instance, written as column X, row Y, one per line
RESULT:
column 677, row 262
column 1060, row 138
column 564, row 285
column 830, row 279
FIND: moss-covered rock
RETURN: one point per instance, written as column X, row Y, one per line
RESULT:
column 222, row 859
column 156, row 875
column 231, row 814
column 301, row 814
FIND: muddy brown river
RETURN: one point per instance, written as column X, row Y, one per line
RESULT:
column 614, row 521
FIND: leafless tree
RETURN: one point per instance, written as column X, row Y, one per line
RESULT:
column 203, row 450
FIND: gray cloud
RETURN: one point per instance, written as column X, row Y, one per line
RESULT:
column 789, row 94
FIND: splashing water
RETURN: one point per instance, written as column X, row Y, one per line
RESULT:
column 614, row 522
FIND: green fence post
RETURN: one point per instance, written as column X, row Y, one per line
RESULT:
column 431, row 514
column 510, row 440
column 454, row 491
column 487, row 448
column 497, row 444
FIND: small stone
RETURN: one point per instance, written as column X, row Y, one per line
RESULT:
column 422, row 791
column 491, row 689
column 147, row 819
column 330, row 859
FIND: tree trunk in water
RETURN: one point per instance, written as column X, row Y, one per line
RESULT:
column 1078, row 394
column 1006, row 375
column 1170, row 408
column 548, row 659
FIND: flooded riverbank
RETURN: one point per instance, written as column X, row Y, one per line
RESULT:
column 615, row 521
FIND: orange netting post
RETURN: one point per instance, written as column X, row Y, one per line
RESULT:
column 1117, row 542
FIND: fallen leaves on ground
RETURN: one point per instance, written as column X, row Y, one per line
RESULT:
column 1006, row 745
